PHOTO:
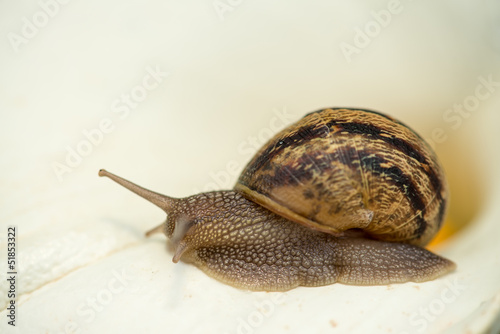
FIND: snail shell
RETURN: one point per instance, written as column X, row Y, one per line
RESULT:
column 341, row 169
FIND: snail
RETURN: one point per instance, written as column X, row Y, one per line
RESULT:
column 343, row 195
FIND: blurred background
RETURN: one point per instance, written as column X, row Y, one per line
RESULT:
column 178, row 96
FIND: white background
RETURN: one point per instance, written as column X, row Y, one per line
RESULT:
column 230, row 74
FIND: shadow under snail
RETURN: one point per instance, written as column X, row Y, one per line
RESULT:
column 343, row 195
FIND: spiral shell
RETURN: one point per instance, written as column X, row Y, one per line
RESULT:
column 341, row 169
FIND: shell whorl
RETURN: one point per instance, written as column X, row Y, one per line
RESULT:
column 341, row 169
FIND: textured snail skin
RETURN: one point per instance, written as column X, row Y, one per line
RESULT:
column 343, row 195
column 247, row 246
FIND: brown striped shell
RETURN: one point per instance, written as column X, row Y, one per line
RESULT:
column 341, row 169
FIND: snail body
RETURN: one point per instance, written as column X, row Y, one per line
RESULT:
column 343, row 195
